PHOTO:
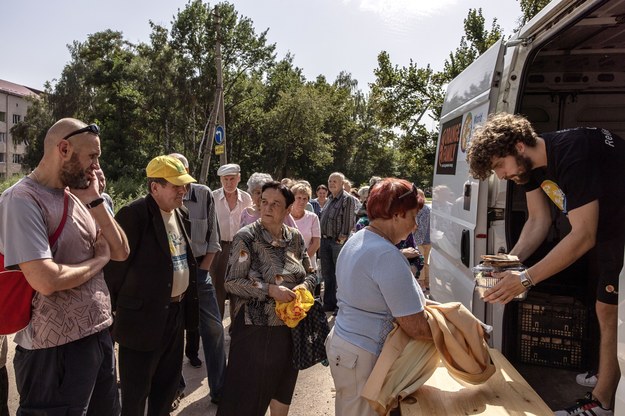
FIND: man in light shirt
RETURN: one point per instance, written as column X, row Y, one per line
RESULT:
column 229, row 202
column 154, row 292
column 64, row 360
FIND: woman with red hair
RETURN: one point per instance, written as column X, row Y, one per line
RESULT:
column 375, row 289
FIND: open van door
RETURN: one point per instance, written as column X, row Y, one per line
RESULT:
column 458, row 222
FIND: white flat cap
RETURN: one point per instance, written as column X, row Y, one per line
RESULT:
column 229, row 169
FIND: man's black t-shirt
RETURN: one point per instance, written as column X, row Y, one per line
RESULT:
column 583, row 165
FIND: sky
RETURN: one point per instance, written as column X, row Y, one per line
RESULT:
column 325, row 36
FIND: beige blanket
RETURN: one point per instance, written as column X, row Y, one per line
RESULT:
column 405, row 364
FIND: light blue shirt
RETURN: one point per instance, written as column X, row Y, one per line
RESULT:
column 375, row 285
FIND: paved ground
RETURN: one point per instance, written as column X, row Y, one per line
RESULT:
column 314, row 393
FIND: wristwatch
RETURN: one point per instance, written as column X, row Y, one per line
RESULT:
column 94, row 203
column 525, row 281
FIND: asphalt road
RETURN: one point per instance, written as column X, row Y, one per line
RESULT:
column 314, row 392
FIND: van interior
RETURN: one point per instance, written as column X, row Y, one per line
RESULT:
column 576, row 78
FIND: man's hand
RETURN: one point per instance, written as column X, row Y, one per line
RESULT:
column 99, row 173
column 90, row 193
column 410, row 252
column 281, row 293
column 507, row 289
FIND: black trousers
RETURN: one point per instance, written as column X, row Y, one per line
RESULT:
column 153, row 376
column 192, row 346
column 4, row 392
column 70, row 379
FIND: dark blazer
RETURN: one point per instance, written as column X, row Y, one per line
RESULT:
column 140, row 286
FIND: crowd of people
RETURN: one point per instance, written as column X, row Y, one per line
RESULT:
column 168, row 262
column 165, row 266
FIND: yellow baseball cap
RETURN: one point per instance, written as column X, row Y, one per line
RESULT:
column 170, row 169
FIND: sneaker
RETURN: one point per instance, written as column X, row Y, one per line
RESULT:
column 588, row 406
column 176, row 403
column 195, row 362
column 588, row 379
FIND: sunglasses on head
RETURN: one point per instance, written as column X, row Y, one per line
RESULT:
column 91, row 128
column 413, row 190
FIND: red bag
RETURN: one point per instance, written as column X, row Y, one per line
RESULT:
column 16, row 295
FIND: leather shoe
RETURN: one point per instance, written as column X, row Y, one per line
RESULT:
column 195, row 362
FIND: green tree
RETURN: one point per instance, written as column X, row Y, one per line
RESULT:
column 476, row 40
column 295, row 126
column 245, row 55
column 530, row 8
column 404, row 99
column 100, row 84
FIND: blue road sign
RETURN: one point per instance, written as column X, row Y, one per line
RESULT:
column 220, row 135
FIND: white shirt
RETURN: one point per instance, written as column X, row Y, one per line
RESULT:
column 178, row 249
column 229, row 221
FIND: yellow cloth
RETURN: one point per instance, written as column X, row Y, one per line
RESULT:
column 405, row 364
column 294, row 311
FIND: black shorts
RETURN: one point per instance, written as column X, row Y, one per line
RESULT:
column 606, row 262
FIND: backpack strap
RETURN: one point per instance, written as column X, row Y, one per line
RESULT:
column 59, row 229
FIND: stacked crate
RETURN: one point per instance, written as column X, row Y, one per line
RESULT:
column 553, row 331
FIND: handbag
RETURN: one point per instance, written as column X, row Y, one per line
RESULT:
column 309, row 338
column 16, row 295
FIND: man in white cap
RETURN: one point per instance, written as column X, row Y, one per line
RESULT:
column 154, row 291
column 229, row 202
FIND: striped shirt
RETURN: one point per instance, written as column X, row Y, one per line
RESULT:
column 338, row 216
column 204, row 228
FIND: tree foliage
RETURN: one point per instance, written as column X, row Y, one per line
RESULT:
column 530, row 8
column 156, row 97
column 476, row 40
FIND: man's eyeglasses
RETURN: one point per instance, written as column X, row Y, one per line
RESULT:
column 413, row 190
column 91, row 128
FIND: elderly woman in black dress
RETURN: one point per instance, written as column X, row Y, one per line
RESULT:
column 268, row 262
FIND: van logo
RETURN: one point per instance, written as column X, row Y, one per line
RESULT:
column 467, row 130
column 448, row 147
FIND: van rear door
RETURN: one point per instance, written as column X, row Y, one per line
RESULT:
column 458, row 222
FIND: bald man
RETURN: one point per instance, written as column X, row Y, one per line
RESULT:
column 67, row 339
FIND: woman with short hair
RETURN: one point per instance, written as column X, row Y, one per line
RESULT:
column 375, row 289
column 254, row 188
column 307, row 222
column 322, row 197
column 268, row 263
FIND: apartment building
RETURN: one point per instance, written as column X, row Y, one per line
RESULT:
column 13, row 107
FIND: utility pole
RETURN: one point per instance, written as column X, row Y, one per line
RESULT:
column 215, row 129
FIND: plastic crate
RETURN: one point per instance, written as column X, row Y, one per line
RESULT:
column 556, row 316
column 552, row 351
column 552, row 331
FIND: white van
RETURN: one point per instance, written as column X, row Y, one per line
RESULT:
column 565, row 68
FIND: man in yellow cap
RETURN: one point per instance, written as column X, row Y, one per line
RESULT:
column 154, row 292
